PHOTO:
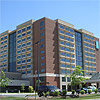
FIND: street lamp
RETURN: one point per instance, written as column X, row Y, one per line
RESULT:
column 37, row 43
column 35, row 83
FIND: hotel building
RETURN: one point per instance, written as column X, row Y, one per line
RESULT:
column 61, row 47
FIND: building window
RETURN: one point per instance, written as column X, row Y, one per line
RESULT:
column 42, row 64
column 42, row 58
column 62, row 42
column 18, row 67
column 67, row 49
column 24, row 29
column 41, row 23
column 41, row 34
column 42, row 79
column 23, row 40
column 29, row 32
column 68, row 79
column 29, row 60
column 23, row 67
column 71, row 30
column 61, row 37
column 66, row 28
column 29, row 43
column 29, row 27
column 42, row 28
column 71, row 35
column 72, row 66
column 29, row 54
column 67, row 54
column 19, row 31
column 28, row 66
column 62, row 65
column 23, row 45
column 63, row 79
column 23, row 50
column 42, row 70
column 61, row 26
column 42, row 40
column 68, row 66
column 28, row 49
column 28, row 38
column 62, row 32
column 18, row 57
column 19, row 36
column 23, row 56
column 62, row 59
column 62, row 54
column 62, row 48
column 29, row 72
column 19, row 62
column 42, row 45
column 23, row 72
column 68, row 71
column 23, row 61
column 42, row 51
column 19, row 41
column 62, row 71
column 68, row 60
column 23, row 34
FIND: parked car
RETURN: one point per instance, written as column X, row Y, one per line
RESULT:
column 92, row 88
column 85, row 89
column 49, row 88
column 98, row 89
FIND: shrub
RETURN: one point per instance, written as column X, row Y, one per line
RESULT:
column 73, row 92
column 82, row 92
column 89, row 91
column 64, row 92
column 30, row 88
column 56, row 93
column 95, row 90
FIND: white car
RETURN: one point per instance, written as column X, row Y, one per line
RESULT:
column 92, row 88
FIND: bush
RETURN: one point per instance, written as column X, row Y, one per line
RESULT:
column 64, row 92
column 82, row 92
column 73, row 92
column 30, row 88
column 95, row 90
column 89, row 91
column 56, row 93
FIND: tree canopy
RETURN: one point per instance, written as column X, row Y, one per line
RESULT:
column 76, row 77
column 3, row 80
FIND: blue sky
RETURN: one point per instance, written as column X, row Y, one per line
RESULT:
column 81, row 13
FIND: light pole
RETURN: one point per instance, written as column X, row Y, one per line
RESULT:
column 37, row 43
column 35, row 83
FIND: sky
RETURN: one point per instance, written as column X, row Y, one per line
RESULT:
column 83, row 14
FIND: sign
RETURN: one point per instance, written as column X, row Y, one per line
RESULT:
column 97, row 44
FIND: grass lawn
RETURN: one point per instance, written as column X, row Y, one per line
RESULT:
column 12, row 98
column 89, row 96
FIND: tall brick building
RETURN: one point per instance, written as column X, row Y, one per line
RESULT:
column 61, row 47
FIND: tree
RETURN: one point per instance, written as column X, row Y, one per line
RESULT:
column 30, row 88
column 3, row 80
column 76, row 77
column 23, row 87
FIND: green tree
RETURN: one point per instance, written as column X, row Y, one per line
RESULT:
column 3, row 80
column 76, row 77
column 30, row 88
column 23, row 87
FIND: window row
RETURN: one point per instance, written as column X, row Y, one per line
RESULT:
column 3, row 42
column 24, row 61
column 90, row 69
column 89, row 50
column 5, row 65
column 88, row 45
column 25, row 66
column 5, row 51
column 3, row 38
column 65, row 79
column 23, row 56
column 90, row 55
column 66, row 49
column 68, row 66
column 66, row 54
column 66, row 71
column 5, row 46
column 26, row 72
column 24, row 50
column 3, row 61
column 23, row 45
column 88, row 41
column 66, row 28
column 66, row 33
column 89, row 64
column 66, row 43
column 89, row 59
column 87, row 36
column 24, row 29
column 67, row 60
column 24, row 34
column 1, row 56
